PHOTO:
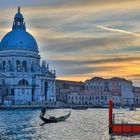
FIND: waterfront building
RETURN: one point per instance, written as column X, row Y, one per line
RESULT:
column 65, row 87
column 92, row 100
column 23, row 78
column 99, row 91
column 113, row 87
column 136, row 92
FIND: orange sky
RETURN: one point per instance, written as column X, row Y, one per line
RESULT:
column 83, row 38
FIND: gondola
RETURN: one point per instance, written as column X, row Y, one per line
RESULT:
column 132, row 109
column 53, row 119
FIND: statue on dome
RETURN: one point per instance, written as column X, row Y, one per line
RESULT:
column 43, row 66
column 48, row 66
column 44, row 63
column 54, row 72
column 38, row 66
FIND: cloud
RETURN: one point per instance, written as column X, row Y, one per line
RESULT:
column 86, row 44
column 103, row 61
column 136, row 76
column 71, row 37
column 99, row 67
column 62, row 2
column 118, row 30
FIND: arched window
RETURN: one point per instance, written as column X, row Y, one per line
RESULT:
column 18, row 23
column 45, row 89
column 24, row 66
column 9, row 62
column 10, row 65
column 23, row 82
column 18, row 65
column 4, row 64
column 32, row 67
column 3, row 81
column 7, row 91
column 12, row 92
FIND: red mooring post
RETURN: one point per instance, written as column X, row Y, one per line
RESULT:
column 110, row 116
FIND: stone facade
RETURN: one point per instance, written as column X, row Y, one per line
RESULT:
column 136, row 91
column 99, row 91
column 24, row 79
column 113, row 87
column 92, row 100
column 64, row 87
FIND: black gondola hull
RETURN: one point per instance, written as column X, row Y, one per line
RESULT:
column 54, row 120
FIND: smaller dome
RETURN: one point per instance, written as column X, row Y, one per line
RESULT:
column 18, row 16
column 19, row 38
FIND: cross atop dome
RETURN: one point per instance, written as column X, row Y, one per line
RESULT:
column 19, row 38
column 18, row 23
column 19, row 9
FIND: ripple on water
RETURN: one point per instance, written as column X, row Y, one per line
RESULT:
column 91, row 124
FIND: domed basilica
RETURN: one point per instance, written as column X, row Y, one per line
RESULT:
column 23, row 80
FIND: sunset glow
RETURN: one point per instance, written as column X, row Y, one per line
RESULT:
column 83, row 38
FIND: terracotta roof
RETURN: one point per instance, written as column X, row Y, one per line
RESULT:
column 113, row 79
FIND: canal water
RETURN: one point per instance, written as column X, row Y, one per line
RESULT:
column 91, row 124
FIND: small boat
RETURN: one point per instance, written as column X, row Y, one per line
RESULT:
column 53, row 119
column 80, row 108
column 132, row 109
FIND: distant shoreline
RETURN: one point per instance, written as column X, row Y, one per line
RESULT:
column 13, row 107
column 25, row 107
column 39, row 107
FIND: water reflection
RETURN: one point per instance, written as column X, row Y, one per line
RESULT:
column 91, row 124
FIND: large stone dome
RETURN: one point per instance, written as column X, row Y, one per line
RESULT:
column 19, row 38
